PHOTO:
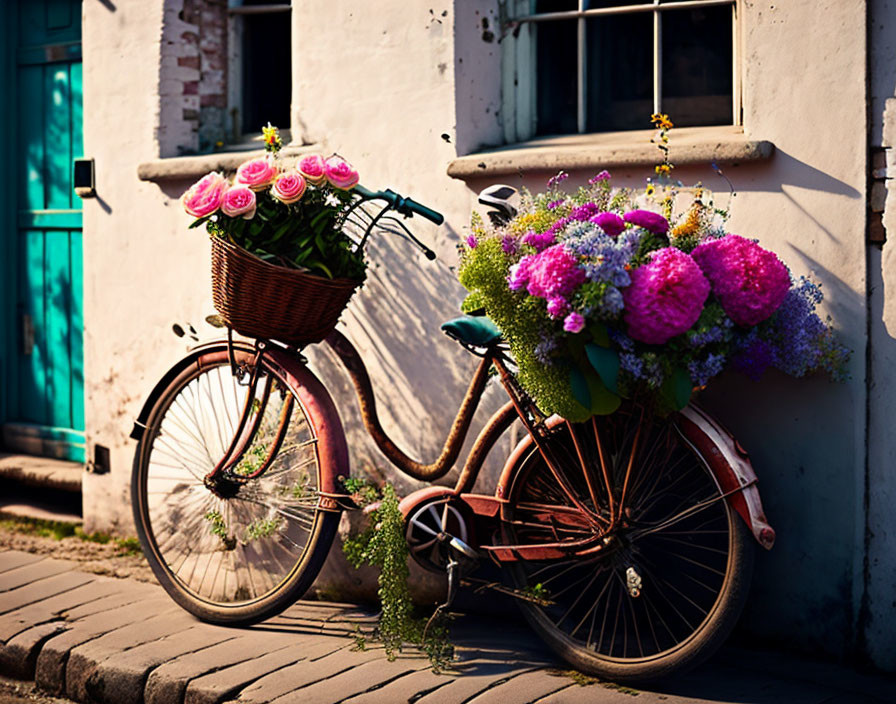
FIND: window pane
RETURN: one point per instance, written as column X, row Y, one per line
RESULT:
column 556, row 77
column 697, row 66
column 266, row 92
column 619, row 72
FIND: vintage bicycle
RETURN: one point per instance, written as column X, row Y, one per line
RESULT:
column 628, row 540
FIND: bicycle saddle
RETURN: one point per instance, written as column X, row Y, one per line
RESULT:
column 476, row 332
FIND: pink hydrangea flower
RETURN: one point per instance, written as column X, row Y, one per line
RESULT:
column 239, row 200
column 257, row 173
column 610, row 223
column 312, row 168
column 204, row 197
column 749, row 281
column 649, row 220
column 340, row 173
column 665, row 297
column 554, row 272
column 289, row 187
column 574, row 322
column 557, row 307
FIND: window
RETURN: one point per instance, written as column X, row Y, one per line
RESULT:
column 260, row 80
column 579, row 66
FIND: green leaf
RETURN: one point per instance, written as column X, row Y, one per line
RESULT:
column 280, row 231
column 200, row 221
column 603, row 401
column 599, row 334
column 677, row 388
column 579, row 386
column 315, row 264
column 605, row 361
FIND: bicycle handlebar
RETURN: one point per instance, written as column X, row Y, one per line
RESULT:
column 407, row 207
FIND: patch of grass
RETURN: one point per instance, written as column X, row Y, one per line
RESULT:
column 57, row 530
column 583, row 680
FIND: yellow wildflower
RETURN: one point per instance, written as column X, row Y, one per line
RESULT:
column 661, row 120
column 691, row 224
column 663, row 169
column 650, row 189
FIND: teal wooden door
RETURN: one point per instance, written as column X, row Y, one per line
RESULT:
column 44, row 405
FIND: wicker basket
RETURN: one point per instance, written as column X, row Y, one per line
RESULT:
column 258, row 299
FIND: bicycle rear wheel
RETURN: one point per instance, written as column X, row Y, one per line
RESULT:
column 235, row 552
column 664, row 589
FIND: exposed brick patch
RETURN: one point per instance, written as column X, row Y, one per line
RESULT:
column 193, row 76
column 188, row 61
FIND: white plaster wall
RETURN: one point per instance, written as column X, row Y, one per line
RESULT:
column 380, row 83
column 142, row 269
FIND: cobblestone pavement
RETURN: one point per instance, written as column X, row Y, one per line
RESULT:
column 92, row 638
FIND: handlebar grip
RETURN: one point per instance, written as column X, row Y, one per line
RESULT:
column 423, row 211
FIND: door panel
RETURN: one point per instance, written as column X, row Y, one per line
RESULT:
column 45, row 392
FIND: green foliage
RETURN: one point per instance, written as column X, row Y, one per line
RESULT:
column 307, row 234
column 59, row 530
column 383, row 545
column 484, row 271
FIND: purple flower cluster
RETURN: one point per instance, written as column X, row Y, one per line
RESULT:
column 654, row 222
column 749, row 281
column 665, row 298
column 610, row 223
column 510, row 245
column 702, row 370
column 797, row 341
column 607, row 259
column 541, row 241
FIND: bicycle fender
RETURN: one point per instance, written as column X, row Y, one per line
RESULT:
column 171, row 374
column 731, row 466
column 727, row 460
column 332, row 448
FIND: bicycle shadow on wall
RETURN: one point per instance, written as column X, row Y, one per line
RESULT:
column 419, row 374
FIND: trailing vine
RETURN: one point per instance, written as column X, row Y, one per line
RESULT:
column 383, row 545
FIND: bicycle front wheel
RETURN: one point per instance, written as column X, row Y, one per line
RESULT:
column 239, row 551
column 667, row 582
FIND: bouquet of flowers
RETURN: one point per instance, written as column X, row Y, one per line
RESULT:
column 290, row 216
column 608, row 293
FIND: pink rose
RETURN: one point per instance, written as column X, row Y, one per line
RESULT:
column 289, row 187
column 239, row 200
column 204, row 197
column 257, row 173
column 340, row 173
column 312, row 168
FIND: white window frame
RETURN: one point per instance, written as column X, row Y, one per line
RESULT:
column 235, row 12
column 519, row 59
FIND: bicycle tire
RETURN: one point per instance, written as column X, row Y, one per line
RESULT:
column 695, row 573
column 259, row 550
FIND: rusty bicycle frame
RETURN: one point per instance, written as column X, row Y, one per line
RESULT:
column 733, row 473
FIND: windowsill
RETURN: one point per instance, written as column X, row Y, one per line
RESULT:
column 689, row 145
column 180, row 168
